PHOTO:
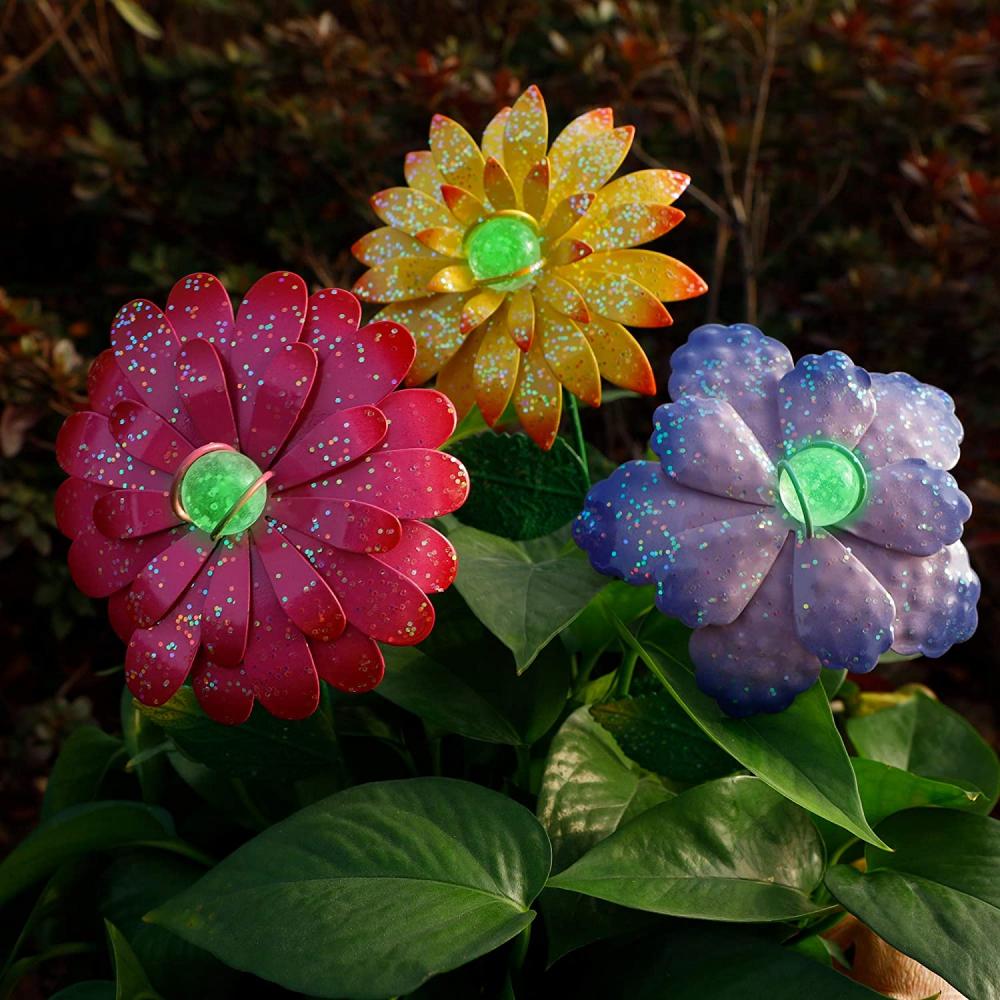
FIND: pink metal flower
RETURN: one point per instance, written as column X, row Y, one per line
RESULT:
column 248, row 494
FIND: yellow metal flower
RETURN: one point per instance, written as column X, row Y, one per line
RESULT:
column 512, row 266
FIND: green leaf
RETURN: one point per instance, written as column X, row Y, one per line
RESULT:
column 90, row 989
column 937, row 897
column 137, row 18
column 524, row 593
column 798, row 752
column 86, row 757
column 518, row 490
column 731, row 849
column 79, row 830
column 928, row 738
column 130, row 978
column 263, row 747
column 594, row 630
column 142, row 737
column 372, row 890
column 660, row 736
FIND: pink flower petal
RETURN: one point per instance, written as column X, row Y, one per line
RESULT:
column 269, row 317
column 278, row 403
column 134, row 513
column 418, row 418
column 424, row 556
column 159, row 658
column 199, row 308
column 345, row 524
column 302, row 593
column 100, row 565
column 106, row 385
column 226, row 622
column 339, row 439
column 74, row 505
column 202, row 381
column 86, row 449
column 163, row 581
column 118, row 615
column 223, row 693
column 352, row 663
column 147, row 436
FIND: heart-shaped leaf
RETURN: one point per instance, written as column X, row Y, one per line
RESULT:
column 85, row 758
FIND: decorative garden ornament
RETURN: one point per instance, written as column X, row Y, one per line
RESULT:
column 799, row 516
column 248, row 493
column 509, row 262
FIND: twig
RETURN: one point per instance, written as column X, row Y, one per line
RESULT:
column 29, row 60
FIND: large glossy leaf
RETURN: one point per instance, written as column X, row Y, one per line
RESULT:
column 372, row 890
column 731, row 849
column 89, row 989
column 928, row 738
column 86, row 757
column 524, row 593
column 937, row 897
column 264, row 747
column 594, row 629
column 798, row 752
column 518, row 490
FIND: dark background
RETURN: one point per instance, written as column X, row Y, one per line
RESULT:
column 846, row 194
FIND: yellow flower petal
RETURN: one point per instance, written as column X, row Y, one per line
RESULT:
column 568, row 354
column 566, row 215
column 618, row 297
column 655, row 187
column 628, row 225
column 535, row 191
column 397, row 280
column 457, row 378
column 493, row 135
column 569, row 251
column 496, row 366
column 409, row 210
column 434, row 323
column 592, row 164
column 463, row 205
column 453, row 278
column 666, row 278
column 562, row 296
column 619, row 357
column 479, row 308
column 421, row 173
column 384, row 244
column 498, row 186
column 521, row 318
column 442, row 240
column 456, row 154
column 538, row 398
column 525, row 136
column 578, row 132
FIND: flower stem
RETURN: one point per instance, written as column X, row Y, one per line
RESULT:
column 581, row 444
column 625, row 671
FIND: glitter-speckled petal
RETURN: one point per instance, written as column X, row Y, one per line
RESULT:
column 143, row 433
column 100, row 565
column 592, row 162
column 911, row 507
column 631, row 520
column 118, row 616
column 824, row 397
column 424, row 556
column 912, row 420
column 627, row 225
column 739, row 364
column 664, row 277
column 582, row 130
column 224, row 694
column 85, row 448
column 353, row 662
column 842, row 613
column 493, row 134
column 134, row 513
column 205, row 395
column 713, row 570
column 935, row 597
column 457, row 379
column 464, row 206
column 444, row 240
column 338, row 440
column 225, row 626
column 756, row 664
column 385, row 244
column 562, row 297
column 479, row 308
column 422, row 174
column 199, row 308
column 620, row 359
column 456, row 155
column 346, row 524
column 166, row 577
column 498, row 186
column 654, row 187
column 568, row 355
column 453, row 278
column 567, row 215
column 618, row 297
column 495, row 370
column 418, row 418
column 302, row 593
column 279, row 403
column 398, row 279
column 434, row 324
column 409, row 210
column 107, row 384
column 703, row 443
column 526, row 135
column 535, row 190
column 521, row 317
column 159, row 658
column 538, row 398
column 74, row 505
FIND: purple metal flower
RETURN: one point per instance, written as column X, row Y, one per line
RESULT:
column 800, row 516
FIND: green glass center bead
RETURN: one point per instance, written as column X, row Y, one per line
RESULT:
column 831, row 484
column 506, row 245
column 213, row 485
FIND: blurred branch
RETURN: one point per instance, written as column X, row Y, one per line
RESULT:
column 38, row 53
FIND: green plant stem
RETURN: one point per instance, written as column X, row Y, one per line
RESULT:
column 581, row 444
column 625, row 671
